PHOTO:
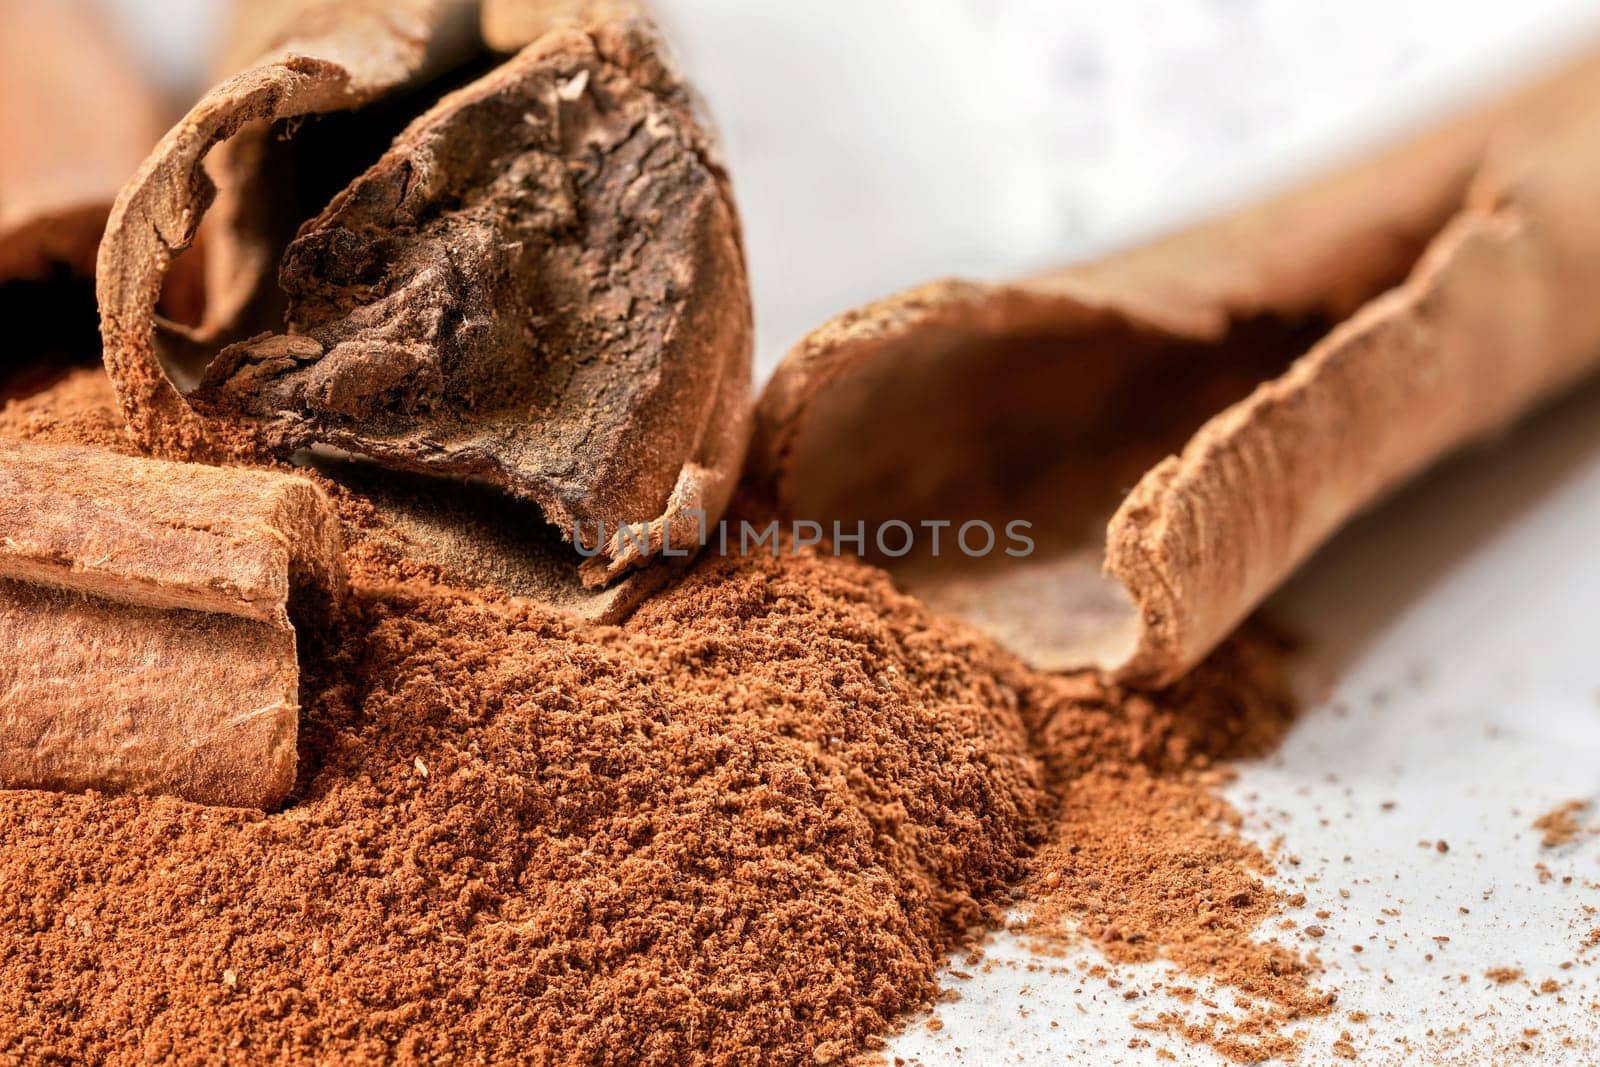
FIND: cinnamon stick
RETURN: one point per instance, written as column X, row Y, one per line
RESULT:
column 75, row 119
column 538, row 285
column 146, row 642
column 1256, row 381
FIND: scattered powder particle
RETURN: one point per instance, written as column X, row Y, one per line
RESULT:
column 1503, row 975
column 1560, row 824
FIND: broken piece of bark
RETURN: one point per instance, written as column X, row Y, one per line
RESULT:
column 476, row 538
column 146, row 642
column 1256, row 381
column 269, row 182
column 348, row 55
column 538, row 287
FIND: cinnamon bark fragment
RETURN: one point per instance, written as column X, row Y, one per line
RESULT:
column 272, row 173
column 1256, row 380
column 539, row 287
column 327, row 57
column 145, row 622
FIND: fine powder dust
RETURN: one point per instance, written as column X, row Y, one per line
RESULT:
column 746, row 826
column 1143, row 857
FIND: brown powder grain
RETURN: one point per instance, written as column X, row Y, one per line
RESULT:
column 77, row 409
column 1145, row 860
column 1559, row 825
column 746, row 826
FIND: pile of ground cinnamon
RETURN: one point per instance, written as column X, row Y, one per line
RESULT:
column 752, row 821
column 746, row 826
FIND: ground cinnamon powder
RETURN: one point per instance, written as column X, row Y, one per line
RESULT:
column 1559, row 826
column 747, row 826
column 1144, row 858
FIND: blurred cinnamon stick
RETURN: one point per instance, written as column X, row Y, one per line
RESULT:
column 1256, row 380
column 75, row 119
column 146, row 642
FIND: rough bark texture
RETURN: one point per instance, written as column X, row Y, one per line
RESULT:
column 1457, row 274
column 268, row 182
column 145, row 622
column 510, row 24
column 336, row 58
column 526, row 290
column 540, row 285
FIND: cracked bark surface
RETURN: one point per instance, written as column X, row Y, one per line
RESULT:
column 538, row 287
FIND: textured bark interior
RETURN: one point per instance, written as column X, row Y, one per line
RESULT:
column 1050, row 428
column 302, row 164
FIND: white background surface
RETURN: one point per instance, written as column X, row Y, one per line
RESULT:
column 1453, row 660
column 879, row 143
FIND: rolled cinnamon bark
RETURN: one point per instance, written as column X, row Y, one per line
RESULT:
column 146, row 641
column 1257, row 381
column 536, row 285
